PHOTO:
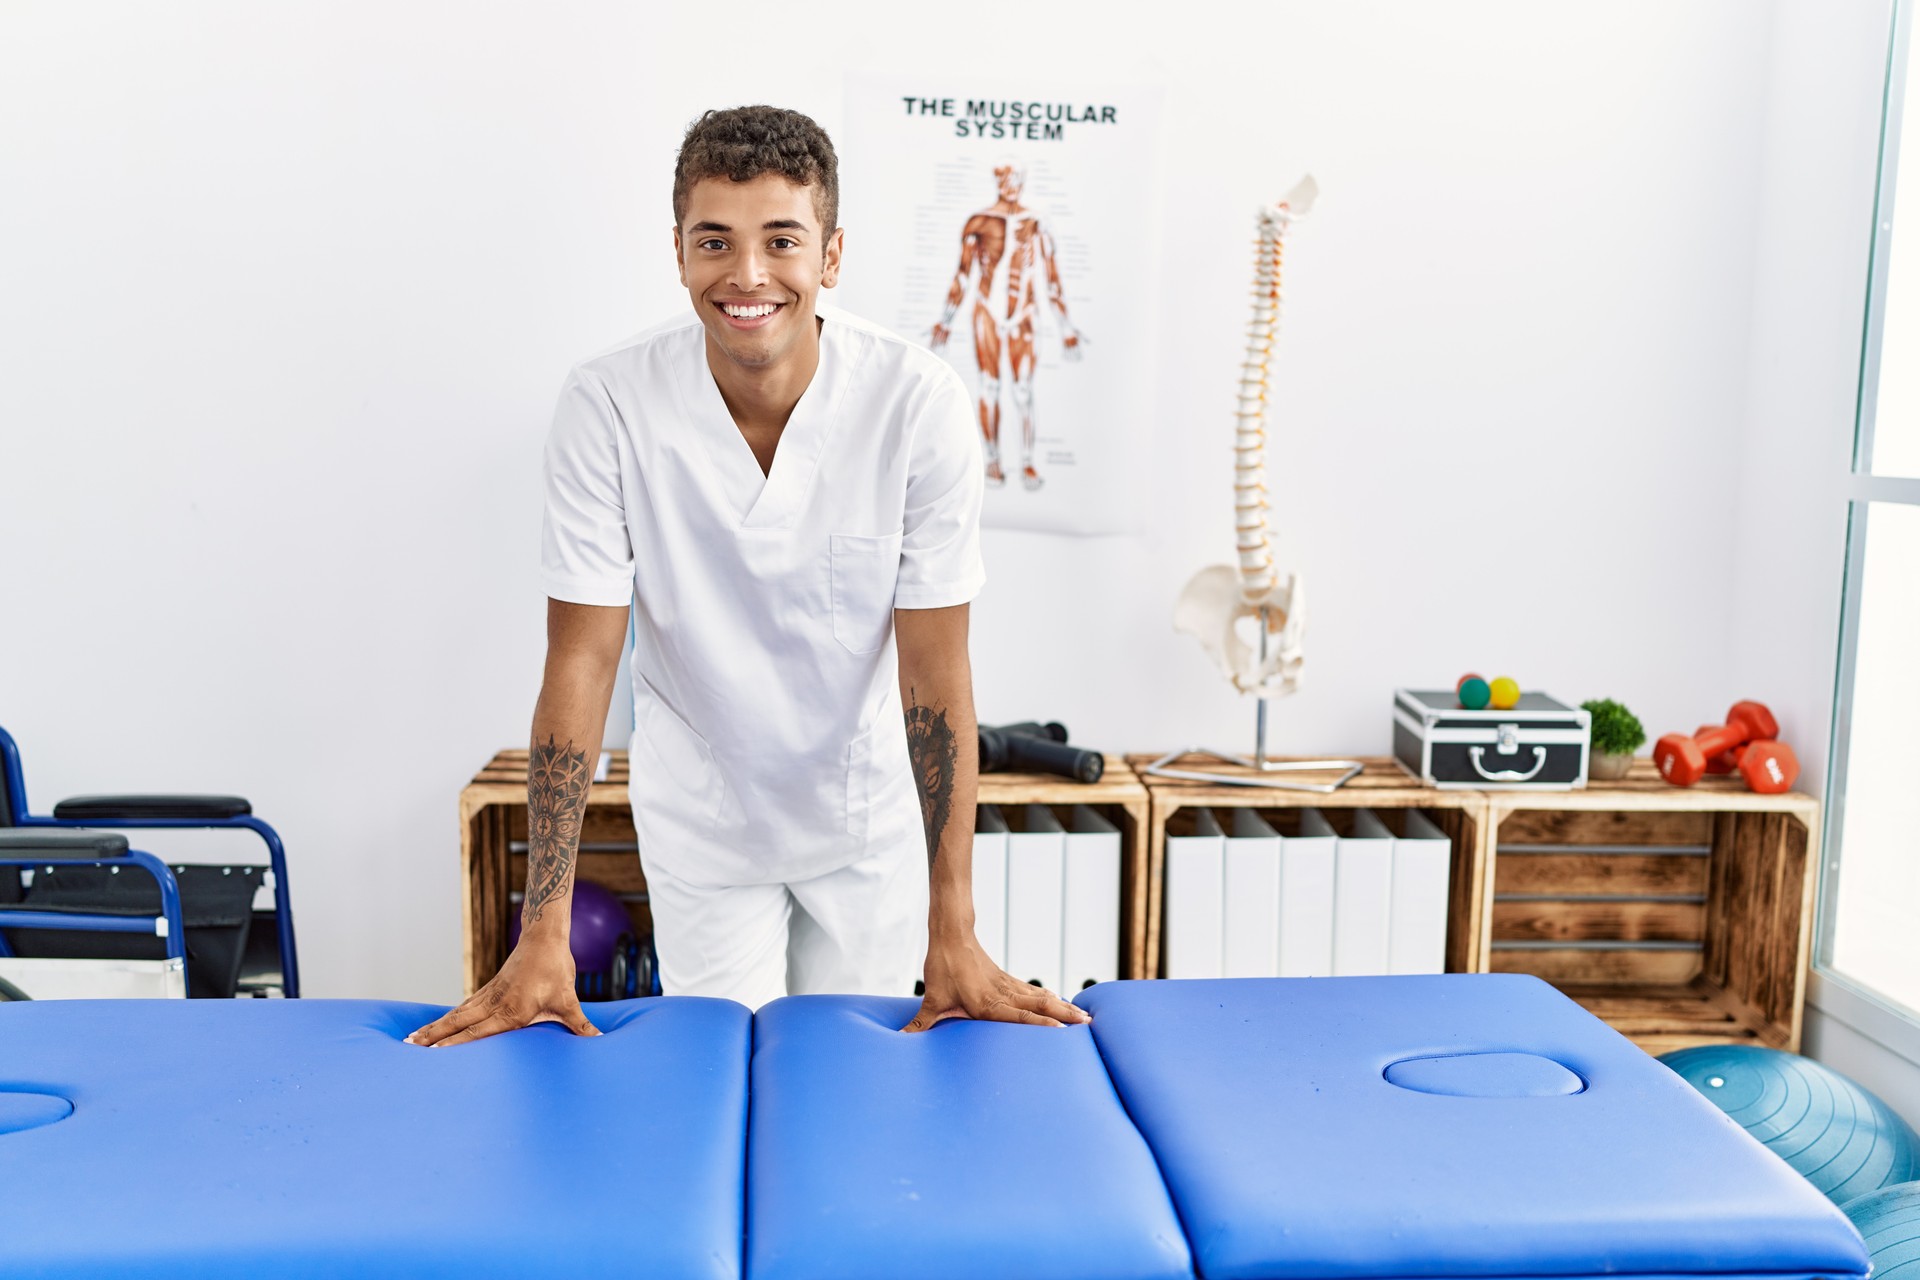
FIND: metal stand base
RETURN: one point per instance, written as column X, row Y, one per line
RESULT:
column 1348, row 769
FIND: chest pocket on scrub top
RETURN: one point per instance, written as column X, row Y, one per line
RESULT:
column 865, row 570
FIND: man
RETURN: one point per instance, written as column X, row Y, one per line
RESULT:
column 789, row 498
column 1007, row 249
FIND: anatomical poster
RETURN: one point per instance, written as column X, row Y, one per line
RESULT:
column 1012, row 227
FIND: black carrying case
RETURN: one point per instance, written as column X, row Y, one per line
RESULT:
column 1540, row 744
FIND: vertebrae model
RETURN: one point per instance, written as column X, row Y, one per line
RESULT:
column 1219, row 597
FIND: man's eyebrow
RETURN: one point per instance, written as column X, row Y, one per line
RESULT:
column 778, row 224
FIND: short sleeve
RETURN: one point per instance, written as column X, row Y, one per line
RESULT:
column 940, row 562
column 586, row 555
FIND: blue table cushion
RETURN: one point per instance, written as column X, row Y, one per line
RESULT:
column 301, row 1138
column 1565, row 1151
column 972, row 1150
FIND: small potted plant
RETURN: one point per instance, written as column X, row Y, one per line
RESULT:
column 1617, row 734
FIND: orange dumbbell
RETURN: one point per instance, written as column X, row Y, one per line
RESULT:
column 1683, row 760
column 1726, row 762
column 1769, row 767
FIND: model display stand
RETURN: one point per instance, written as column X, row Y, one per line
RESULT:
column 493, row 847
column 1221, row 597
column 1681, row 916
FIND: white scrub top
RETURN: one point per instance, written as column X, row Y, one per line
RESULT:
column 768, row 738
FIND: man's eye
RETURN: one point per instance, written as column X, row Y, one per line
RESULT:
column 785, row 242
column 713, row 245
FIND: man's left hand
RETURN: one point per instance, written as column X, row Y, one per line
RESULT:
column 963, row 982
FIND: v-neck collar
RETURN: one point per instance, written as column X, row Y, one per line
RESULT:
column 769, row 499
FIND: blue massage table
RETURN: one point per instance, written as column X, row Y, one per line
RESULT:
column 1378, row 1128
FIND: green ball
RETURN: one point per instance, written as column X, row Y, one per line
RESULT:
column 1475, row 693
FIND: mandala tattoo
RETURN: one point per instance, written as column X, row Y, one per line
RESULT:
column 557, row 782
column 931, row 745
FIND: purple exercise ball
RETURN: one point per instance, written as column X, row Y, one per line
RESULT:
column 599, row 918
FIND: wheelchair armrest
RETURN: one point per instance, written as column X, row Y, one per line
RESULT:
column 182, row 808
column 40, row 844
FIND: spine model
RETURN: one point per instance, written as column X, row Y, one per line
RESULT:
column 1219, row 598
column 1250, row 429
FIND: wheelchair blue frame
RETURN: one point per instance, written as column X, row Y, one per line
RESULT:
column 175, row 932
column 16, row 797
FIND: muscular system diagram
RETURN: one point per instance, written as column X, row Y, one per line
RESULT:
column 1005, row 255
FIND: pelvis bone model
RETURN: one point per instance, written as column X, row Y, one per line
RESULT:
column 1221, row 600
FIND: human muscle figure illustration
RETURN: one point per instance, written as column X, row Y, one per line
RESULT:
column 1005, row 253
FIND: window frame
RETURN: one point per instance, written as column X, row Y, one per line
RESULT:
column 1850, row 999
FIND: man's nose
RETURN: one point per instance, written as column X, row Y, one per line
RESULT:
column 749, row 269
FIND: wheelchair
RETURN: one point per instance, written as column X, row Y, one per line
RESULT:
column 74, row 899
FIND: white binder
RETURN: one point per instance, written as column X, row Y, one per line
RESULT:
column 1250, row 936
column 1362, row 897
column 990, row 882
column 1422, row 858
column 1090, row 924
column 1195, row 871
column 1036, row 857
column 1306, row 898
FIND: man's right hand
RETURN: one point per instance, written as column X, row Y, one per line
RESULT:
column 534, row 985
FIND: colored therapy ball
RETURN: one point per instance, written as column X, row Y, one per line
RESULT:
column 1505, row 692
column 1835, row 1134
column 1889, row 1221
column 599, row 918
column 1474, row 693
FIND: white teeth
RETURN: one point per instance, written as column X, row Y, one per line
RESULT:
column 749, row 313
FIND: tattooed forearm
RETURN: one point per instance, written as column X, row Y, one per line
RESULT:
column 557, row 781
column 934, row 751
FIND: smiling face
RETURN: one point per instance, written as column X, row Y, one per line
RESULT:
column 754, row 258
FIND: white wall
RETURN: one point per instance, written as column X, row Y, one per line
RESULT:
column 288, row 292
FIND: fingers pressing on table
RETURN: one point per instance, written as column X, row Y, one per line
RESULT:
column 530, row 988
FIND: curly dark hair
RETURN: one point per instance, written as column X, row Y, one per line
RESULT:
column 742, row 143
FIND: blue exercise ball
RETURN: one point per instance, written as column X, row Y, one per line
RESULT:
column 1889, row 1221
column 1841, row 1138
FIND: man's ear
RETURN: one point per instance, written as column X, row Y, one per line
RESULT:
column 679, row 259
column 836, row 242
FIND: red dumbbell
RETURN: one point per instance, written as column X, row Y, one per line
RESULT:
column 1769, row 767
column 1727, row 761
column 1683, row 760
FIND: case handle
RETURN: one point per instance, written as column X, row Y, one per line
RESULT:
column 1507, row 775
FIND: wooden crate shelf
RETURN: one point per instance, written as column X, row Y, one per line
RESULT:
column 1381, row 785
column 493, row 834
column 1681, row 916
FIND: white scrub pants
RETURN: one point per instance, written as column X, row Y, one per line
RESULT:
column 860, row 930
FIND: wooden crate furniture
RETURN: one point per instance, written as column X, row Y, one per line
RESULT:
column 1381, row 785
column 493, row 847
column 1681, row 916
